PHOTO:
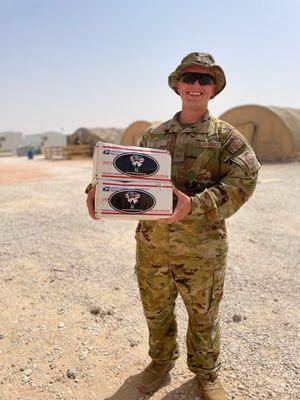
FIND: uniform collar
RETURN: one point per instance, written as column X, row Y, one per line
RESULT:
column 201, row 126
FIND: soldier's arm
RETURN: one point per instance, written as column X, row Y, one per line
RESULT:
column 143, row 141
column 90, row 202
column 238, row 177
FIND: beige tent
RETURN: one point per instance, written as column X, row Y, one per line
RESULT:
column 273, row 132
column 84, row 136
column 134, row 132
column 93, row 135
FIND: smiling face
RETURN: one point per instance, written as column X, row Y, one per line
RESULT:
column 195, row 95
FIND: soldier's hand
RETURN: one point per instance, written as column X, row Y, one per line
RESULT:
column 183, row 208
column 90, row 202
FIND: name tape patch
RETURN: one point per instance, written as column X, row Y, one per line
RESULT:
column 206, row 144
column 235, row 144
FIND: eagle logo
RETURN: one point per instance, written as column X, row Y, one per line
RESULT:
column 137, row 161
column 132, row 198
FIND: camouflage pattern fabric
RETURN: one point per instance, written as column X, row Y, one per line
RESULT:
column 213, row 164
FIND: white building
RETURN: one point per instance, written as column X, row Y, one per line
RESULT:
column 34, row 140
column 10, row 140
column 40, row 140
column 53, row 139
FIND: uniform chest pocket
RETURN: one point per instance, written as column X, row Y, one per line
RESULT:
column 196, row 158
column 189, row 156
column 161, row 144
column 202, row 164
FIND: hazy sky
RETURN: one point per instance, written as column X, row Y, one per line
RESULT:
column 66, row 64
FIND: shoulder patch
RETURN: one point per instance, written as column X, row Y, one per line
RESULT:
column 235, row 144
column 250, row 160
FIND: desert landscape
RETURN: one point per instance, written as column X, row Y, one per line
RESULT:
column 72, row 326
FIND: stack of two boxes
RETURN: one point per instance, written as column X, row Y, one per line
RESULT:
column 132, row 182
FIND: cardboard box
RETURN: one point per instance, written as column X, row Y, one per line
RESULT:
column 113, row 161
column 133, row 200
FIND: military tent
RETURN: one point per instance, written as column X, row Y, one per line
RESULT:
column 273, row 132
column 84, row 136
column 92, row 135
column 134, row 132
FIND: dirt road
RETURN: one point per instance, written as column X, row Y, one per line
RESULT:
column 71, row 322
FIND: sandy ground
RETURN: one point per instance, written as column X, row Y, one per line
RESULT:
column 56, row 264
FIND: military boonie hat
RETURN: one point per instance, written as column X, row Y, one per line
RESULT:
column 202, row 60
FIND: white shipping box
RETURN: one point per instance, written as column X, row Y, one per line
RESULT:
column 133, row 200
column 113, row 161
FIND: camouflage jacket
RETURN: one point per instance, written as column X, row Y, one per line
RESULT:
column 214, row 165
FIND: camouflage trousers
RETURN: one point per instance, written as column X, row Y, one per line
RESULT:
column 200, row 283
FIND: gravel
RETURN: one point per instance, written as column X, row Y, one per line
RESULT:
column 71, row 373
column 69, row 299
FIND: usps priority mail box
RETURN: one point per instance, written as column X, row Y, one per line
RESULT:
column 141, row 200
column 113, row 161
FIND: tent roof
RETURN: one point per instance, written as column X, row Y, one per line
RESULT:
column 291, row 118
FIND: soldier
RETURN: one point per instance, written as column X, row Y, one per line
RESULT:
column 214, row 172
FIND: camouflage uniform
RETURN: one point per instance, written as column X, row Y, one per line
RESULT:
column 214, row 165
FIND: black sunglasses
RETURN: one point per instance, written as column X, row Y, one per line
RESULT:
column 192, row 77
